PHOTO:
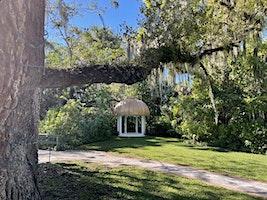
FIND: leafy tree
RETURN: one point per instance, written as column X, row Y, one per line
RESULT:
column 92, row 46
column 76, row 124
column 220, row 40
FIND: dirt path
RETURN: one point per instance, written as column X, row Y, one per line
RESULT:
column 254, row 188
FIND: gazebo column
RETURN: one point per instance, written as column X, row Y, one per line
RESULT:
column 136, row 124
column 143, row 125
column 125, row 125
column 119, row 125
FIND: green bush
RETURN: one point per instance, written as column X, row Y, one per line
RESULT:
column 255, row 137
column 241, row 123
column 77, row 124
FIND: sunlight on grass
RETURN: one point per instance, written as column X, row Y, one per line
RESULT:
column 85, row 181
column 171, row 150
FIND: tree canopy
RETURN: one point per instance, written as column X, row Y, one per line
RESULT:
column 218, row 43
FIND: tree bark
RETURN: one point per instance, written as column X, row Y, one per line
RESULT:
column 129, row 74
column 21, row 64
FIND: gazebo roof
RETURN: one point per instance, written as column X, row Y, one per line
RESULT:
column 131, row 107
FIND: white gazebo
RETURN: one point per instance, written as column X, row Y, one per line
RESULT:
column 131, row 114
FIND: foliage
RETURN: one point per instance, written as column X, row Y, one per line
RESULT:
column 241, row 125
column 81, row 114
column 222, row 41
column 193, row 26
column 60, row 15
column 157, row 91
column 89, row 46
column 77, row 124
column 192, row 112
column 78, row 112
column 216, row 42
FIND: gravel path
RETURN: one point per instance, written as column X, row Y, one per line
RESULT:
column 254, row 188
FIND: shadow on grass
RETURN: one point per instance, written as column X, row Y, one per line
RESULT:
column 116, row 143
column 216, row 149
column 75, row 182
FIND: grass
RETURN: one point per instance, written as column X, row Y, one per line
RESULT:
column 171, row 150
column 83, row 181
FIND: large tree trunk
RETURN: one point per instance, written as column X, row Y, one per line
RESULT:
column 21, row 65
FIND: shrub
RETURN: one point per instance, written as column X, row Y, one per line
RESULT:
column 241, row 123
column 161, row 127
column 77, row 124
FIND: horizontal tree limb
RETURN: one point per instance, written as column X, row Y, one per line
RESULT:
column 61, row 78
column 128, row 74
column 210, row 51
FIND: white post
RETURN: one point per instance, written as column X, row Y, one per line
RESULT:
column 125, row 124
column 136, row 124
column 120, row 125
column 143, row 125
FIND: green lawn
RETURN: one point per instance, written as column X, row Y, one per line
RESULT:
column 83, row 181
column 171, row 150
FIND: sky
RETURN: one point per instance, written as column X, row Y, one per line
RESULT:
column 265, row 34
column 128, row 12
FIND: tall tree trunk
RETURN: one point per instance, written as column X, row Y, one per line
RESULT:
column 21, row 64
